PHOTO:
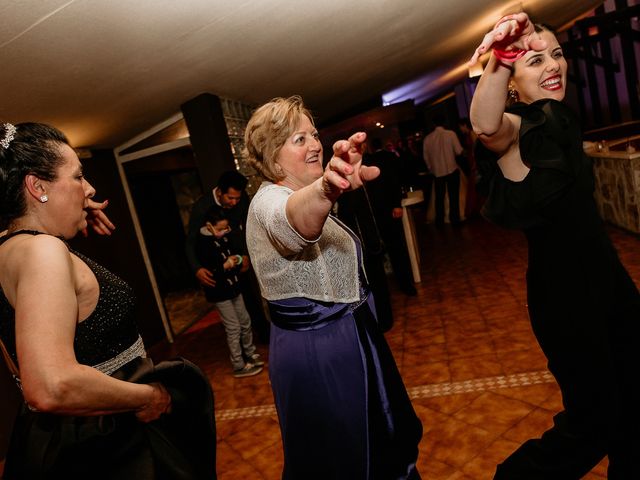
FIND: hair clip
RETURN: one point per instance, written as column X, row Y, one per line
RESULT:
column 9, row 135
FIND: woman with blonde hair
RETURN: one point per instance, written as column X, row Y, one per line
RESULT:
column 344, row 412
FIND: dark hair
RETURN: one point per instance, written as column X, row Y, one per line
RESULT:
column 439, row 120
column 232, row 179
column 214, row 215
column 35, row 149
column 465, row 121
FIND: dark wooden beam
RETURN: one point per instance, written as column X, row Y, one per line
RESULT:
column 610, row 82
column 577, row 78
column 209, row 138
column 621, row 15
column 596, row 107
column 630, row 67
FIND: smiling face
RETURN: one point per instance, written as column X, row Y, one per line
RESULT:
column 541, row 74
column 68, row 196
column 300, row 158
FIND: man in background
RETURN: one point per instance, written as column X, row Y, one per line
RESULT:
column 230, row 195
column 355, row 210
column 385, row 196
column 440, row 148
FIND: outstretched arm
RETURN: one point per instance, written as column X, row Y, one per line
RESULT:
column 307, row 209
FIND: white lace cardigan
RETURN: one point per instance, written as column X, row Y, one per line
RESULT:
column 287, row 265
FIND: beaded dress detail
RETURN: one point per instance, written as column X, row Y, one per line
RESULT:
column 108, row 338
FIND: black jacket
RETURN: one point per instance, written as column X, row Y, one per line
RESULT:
column 180, row 445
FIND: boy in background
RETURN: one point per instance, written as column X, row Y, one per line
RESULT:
column 213, row 250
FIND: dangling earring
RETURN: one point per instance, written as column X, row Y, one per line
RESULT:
column 44, row 198
column 512, row 94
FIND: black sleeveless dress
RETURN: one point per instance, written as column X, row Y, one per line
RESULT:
column 584, row 307
column 176, row 446
column 108, row 338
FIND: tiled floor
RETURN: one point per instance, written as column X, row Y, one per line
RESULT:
column 184, row 308
column 466, row 352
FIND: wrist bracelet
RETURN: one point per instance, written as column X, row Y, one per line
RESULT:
column 509, row 56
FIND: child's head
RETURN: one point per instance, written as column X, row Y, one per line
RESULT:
column 217, row 223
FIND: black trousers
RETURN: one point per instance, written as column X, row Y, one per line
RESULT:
column 451, row 184
column 374, row 266
column 253, row 301
column 594, row 358
column 395, row 243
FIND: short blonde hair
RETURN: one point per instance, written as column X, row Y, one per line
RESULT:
column 267, row 131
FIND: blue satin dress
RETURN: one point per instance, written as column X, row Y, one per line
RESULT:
column 343, row 409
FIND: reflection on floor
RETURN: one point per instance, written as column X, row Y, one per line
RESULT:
column 475, row 373
column 185, row 308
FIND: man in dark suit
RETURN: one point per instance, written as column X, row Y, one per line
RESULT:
column 385, row 196
column 355, row 211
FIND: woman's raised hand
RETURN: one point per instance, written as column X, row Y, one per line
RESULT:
column 345, row 170
column 97, row 219
column 511, row 33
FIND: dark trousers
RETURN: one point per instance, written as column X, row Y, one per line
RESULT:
column 377, row 278
column 560, row 454
column 395, row 243
column 449, row 184
column 253, row 301
column 566, row 453
column 594, row 359
column 425, row 183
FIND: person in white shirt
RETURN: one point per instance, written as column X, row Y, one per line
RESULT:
column 440, row 148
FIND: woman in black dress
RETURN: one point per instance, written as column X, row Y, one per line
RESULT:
column 94, row 405
column 584, row 307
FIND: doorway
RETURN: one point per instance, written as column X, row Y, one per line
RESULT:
column 163, row 189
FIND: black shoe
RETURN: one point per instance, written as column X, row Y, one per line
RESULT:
column 249, row 370
column 256, row 360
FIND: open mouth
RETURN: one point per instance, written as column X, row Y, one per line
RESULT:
column 313, row 159
column 552, row 83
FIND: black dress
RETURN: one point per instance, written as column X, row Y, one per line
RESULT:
column 176, row 446
column 584, row 307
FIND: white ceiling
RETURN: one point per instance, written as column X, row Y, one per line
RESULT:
column 105, row 70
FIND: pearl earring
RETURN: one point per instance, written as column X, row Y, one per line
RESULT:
column 44, row 198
